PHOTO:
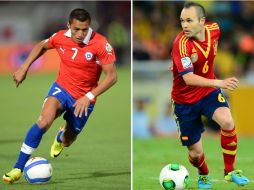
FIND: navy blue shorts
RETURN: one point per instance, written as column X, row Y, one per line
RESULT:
column 67, row 101
column 188, row 116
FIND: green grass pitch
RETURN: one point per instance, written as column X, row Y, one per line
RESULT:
column 101, row 156
column 150, row 156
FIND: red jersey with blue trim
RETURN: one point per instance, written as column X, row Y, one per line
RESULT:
column 80, row 66
column 191, row 55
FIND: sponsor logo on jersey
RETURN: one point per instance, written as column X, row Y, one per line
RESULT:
column 62, row 50
column 88, row 56
column 108, row 48
column 186, row 62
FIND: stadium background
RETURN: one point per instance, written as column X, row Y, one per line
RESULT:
column 101, row 155
column 155, row 25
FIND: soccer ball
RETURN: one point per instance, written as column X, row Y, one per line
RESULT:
column 174, row 177
column 38, row 170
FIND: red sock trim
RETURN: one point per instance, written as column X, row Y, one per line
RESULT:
column 200, row 164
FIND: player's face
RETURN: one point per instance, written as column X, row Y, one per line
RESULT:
column 191, row 23
column 78, row 30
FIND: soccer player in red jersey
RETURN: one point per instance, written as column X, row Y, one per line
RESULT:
column 84, row 55
column 196, row 92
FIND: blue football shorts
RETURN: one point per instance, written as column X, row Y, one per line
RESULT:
column 188, row 116
column 67, row 101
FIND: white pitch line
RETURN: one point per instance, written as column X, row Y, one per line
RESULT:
column 213, row 180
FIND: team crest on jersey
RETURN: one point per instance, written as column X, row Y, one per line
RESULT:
column 194, row 55
column 186, row 62
column 108, row 48
column 88, row 56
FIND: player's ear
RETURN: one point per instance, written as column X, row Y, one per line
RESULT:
column 68, row 25
column 202, row 20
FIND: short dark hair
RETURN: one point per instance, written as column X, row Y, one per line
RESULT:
column 200, row 8
column 79, row 14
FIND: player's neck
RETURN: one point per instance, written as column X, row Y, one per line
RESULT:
column 201, row 35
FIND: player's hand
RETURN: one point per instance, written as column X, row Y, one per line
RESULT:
column 81, row 106
column 229, row 83
column 170, row 69
column 19, row 76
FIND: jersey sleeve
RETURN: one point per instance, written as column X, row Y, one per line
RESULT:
column 218, row 31
column 181, row 55
column 215, row 28
column 51, row 41
column 105, row 53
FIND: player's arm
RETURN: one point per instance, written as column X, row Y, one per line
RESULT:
column 109, row 80
column 81, row 105
column 192, row 79
column 38, row 50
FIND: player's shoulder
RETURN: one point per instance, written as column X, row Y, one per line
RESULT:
column 214, row 28
column 60, row 33
column 181, row 40
column 98, row 38
column 212, row 25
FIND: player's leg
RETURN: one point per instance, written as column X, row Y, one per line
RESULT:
column 67, row 135
column 50, row 110
column 216, row 108
column 223, row 117
column 64, row 138
column 188, row 119
column 197, row 159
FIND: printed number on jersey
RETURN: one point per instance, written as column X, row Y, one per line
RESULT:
column 205, row 67
column 75, row 53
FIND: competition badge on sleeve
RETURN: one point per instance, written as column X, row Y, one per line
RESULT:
column 186, row 62
column 108, row 48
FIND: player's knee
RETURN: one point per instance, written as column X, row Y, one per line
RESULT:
column 195, row 154
column 44, row 123
column 227, row 124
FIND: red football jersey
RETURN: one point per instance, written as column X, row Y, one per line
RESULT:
column 80, row 66
column 191, row 55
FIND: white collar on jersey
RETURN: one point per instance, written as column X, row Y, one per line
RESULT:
column 87, row 38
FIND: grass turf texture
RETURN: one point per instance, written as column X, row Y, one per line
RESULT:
column 99, row 159
column 151, row 155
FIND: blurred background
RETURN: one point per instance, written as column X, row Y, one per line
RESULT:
column 95, row 159
column 25, row 23
column 155, row 26
column 156, row 143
